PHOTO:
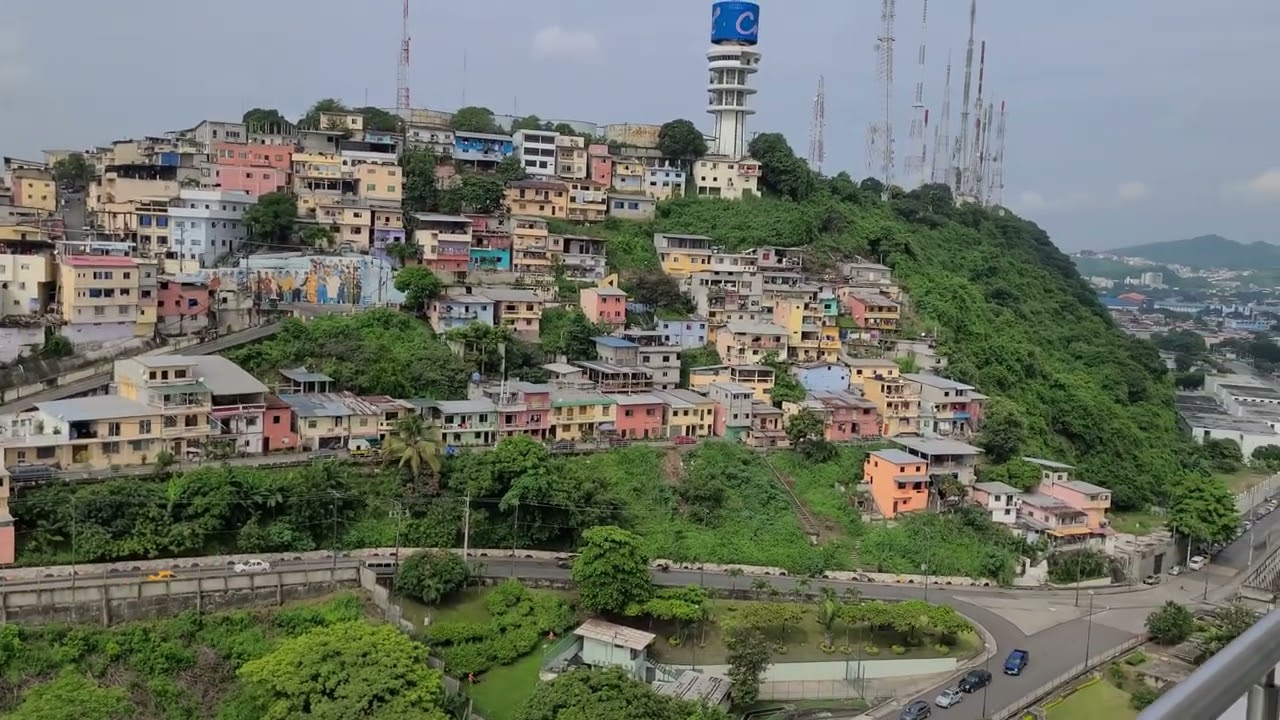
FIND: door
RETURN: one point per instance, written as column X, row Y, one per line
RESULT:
column 1158, row 565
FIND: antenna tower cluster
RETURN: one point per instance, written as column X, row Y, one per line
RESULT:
column 880, row 134
column 917, row 148
column 402, row 69
column 942, row 150
column 818, row 129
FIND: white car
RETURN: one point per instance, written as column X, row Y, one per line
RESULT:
column 1197, row 562
column 254, row 565
column 949, row 697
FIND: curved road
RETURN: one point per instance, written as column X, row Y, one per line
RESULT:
column 1045, row 623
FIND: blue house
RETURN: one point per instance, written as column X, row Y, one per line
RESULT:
column 481, row 149
column 822, row 377
column 489, row 258
column 686, row 333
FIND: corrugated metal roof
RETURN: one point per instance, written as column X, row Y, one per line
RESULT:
column 897, row 457
column 98, row 407
column 613, row 342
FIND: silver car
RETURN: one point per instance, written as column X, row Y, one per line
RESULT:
column 949, row 697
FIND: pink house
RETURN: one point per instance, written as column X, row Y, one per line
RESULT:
column 524, row 410
column 601, row 165
column 277, row 427
column 640, row 417
column 848, row 417
column 279, row 157
column 604, row 305
column 183, row 304
column 1092, row 500
column 255, row 169
column 256, row 181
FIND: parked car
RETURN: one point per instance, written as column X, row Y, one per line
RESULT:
column 974, row 680
column 1175, row 570
column 1197, row 562
column 1016, row 662
column 1151, row 579
column 917, row 710
column 686, row 440
column 253, row 565
column 949, row 697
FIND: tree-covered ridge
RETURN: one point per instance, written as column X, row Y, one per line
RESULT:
column 1208, row 251
column 1010, row 310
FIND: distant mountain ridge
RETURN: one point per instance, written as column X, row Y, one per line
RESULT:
column 1208, row 251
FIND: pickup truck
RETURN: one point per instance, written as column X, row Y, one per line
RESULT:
column 1016, row 662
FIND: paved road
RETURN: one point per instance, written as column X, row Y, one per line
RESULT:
column 1264, row 534
column 269, row 461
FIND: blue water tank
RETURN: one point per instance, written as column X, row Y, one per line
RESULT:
column 735, row 22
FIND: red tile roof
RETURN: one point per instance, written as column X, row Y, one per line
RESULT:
column 98, row 261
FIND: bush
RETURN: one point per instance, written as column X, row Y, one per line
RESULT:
column 942, row 649
column 846, row 650
column 431, row 576
column 1117, row 673
column 520, row 619
column 898, row 650
column 828, row 649
column 871, row 650
column 1143, row 696
column 1137, row 657
column 1170, row 624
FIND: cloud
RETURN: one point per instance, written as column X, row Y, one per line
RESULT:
column 1263, row 186
column 558, row 42
column 1030, row 200
column 14, row 68
column 1132, row 190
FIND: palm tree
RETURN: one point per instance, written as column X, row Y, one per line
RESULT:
column 801, row 589
column 828, row 613
column 851, row 595
column 415, row 448
column 734, row 573
column 760, row 586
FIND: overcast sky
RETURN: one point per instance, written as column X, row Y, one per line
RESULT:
column 1132, row 121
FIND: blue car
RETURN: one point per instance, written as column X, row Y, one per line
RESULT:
column 1016, row 662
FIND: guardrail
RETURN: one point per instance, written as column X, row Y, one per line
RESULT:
column 1035, row 696
column 1246, row 667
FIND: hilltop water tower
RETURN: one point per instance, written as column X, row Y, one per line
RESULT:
column 732, row 60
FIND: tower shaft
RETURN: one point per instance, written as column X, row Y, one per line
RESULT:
column 402, row 69
column 884, row 66
column 731, row 62
column 917, row 149
column 942, row 135
column 818, row 128
column 963, row 150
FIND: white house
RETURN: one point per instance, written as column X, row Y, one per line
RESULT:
column 999, row 499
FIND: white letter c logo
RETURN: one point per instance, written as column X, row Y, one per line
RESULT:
column 745, row 17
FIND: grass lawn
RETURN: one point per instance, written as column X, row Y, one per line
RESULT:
column 826, row 489
column 801, row 641
column 1136, row 523
column 503, row 690
column 1242, row 480
column 1099, row 700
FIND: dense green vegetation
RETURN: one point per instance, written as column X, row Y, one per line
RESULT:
column 1208, row 251
column 244, row 665
column 519, row 619
column 1015, row 318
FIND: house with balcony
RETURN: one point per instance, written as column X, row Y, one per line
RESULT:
column 682, row 255
column 1092, row 500
column 743, row 343
column 588, row 202
column 725, row 177
column 208, row 224
column 611, row 378
column 520, row 310
column 628, row 175
column 529, row 243
column 522, row 408
column 898, row 402
column 174, row 388
column 689, row 414
column 767, row 427
column 582, row 257
column 1059, row 524
column 571, row 158
column 873, row 313
column 464, row 423
column 735, row 404
column 388, row 226
column 439, row 139
column 944, row 405
column 491, row 243
column 846, row 417
column 631, row 206
column 482, row 151
column 537, row 152
column 686, row 333
column 898, row 482
column 759, row 378
column 458, row 310
column 390, row 412
column 238, row 404
column 539, row 198
column 1000, row 500
column 821, row 376
column 813, row 338
column 90, row 432
column 640, row 416
column 578, row 414
column 944, row 456
column 319, row 177
column 444, row 243
column 771, row 259
column 664, row 183
column 659, row 358
column 300, row 380
column 862, row 368
column 332, row 420
column 604, row 304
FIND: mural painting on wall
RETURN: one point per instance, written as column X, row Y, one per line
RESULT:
column 315, row 280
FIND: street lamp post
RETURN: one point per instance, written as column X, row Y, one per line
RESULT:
column 986, row 666
column 924, row 567
column 1088, row 636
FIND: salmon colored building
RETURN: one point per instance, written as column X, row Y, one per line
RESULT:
column 899, row 482
column 604, row 305
column 640, row 417
column 277, row 432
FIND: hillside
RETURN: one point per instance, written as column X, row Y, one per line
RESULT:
column 1208, row 251
column 1014, row 316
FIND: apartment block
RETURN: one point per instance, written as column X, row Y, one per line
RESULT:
column 28, row 277
column 481, row 150
column 945, row 405
column 600, row 164
column 999, row 499
column 945, row 456
column 734, row 404
column 1091, row 500
column 581, row 256
column 741, row 343
column 898, row 401
column 379, row 182
column 726, row 178
column 812, row 336
column 174, row 389
column 628, row 176
column 206, row 225
column 438, row 139
column 571, row 158
column 520, row 310
column 663, row 183
column 33, row 188
column 540, row 198
column 491, row 244
column 846, row 417
column 659, row 357
column 689, row 414
column 767, row 427
column 873, row 313
column 529, row 243
column 862, row 368
column 821, row 376
column 588, row 202
column 686, row 333
column 537, row 151
column 444, row 243
column 100, row 298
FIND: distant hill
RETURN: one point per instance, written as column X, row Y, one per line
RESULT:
column 1208, row 251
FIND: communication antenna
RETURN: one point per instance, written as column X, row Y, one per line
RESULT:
column 942, row 135
column 884, row 67
column 916, row 145
column 963, row 150
column 974, row 173
column 402, row 71
column 995, row 180
column 818, row 129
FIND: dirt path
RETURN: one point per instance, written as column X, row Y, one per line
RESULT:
column 672, row 466
column 808, row 522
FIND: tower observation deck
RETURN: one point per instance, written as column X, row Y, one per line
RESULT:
column 732, row 60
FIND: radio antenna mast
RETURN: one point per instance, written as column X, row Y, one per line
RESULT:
column 916, row 144
column 884, row 66
column 942, row 151
column 962, row 143
column 402, row 70
column 818, row 129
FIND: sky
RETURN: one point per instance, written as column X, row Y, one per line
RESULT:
column 1128, row 122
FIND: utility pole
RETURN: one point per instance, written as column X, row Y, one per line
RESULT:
column 515, row 526
column 398, row 513
column 73, row 556
column 466, row 529
column 335, row 530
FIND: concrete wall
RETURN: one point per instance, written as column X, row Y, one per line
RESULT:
column 136, row 599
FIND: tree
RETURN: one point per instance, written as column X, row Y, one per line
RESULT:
column 1268, row 456
column 657, row 290
column 828, row 614
column 479, row 194
column 1222, row 455
column 421, row 193
column 1189, row 381
column 72, row 696
column 786, row 388
column 807, row 432
column 1187, row 342
column 270, row 221
column 1203, row 509
column 782, row 173
column 509, row 169
column 402, row 252
column 747, row 653
column 949, row 488
column 73, row 171
column 681, row 140
column 431, row 576
column 415, row 448
column 348, row 670
column 327, row 105
column 379, row 120
column 474, row 119
column 1226, row 625
column 420, row 286
column 1170, row 624
column 568, row 332
column 530, row 122
column 265, row 120
column 1003, row 431
column 612, row 570
column 606, row 694
column 317, row 236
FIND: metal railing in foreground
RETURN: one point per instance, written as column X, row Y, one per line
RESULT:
column 1246, row 667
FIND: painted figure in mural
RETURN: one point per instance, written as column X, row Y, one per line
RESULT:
column 311, row 285
column 332, row 282
column 322, row 281
column 284, row 286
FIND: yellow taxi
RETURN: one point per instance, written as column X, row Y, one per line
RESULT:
column 162, row 575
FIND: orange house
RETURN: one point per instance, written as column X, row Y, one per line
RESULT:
column 898, row 482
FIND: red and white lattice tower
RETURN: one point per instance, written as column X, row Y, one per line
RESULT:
column 402, row 71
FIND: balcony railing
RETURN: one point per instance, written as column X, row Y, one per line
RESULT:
column 184, row 430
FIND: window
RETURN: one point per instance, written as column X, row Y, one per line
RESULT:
column 275, row 419
column 111, row 448
column 144, row 427
column 311, row 423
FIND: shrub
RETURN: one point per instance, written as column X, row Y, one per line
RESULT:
column 871, row 650
column 826, row 648
column 520, row 618
column 1143, row 696
column 942, row 649
column 1117, row 673
column 1170, row 624
column 846, row 650
column 898, row 650
column 1137, row 657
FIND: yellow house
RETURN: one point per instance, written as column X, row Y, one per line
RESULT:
column 520, row 310
column 91, row 432
column 682, row 255
column 349, row 220
column 35, row 189
column 114, row 188
column 759, row 378
column 571, row 157
column 862, row 368
column 689, row 414
column 331, row 420
column 628, row 175
column 741, row 343
column 350, row 121
column 578, row 414
column 172, row 387
column 379, row 182
column 541, row 198
column 898, row 401
column 529, row 253
column 27, row 281
column 100, row 297
column 812, row 336
column 588, row 201
column 317, row 177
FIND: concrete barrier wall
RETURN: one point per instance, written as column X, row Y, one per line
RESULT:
column 137, row 599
